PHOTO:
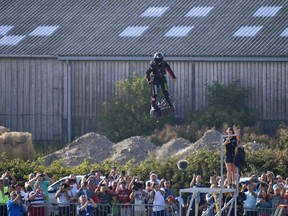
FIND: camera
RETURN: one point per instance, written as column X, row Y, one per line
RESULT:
column 137, row 185
column 247, row 182
column 42, row 175
column 64, row 185
column 263, row 184
column 102, row 185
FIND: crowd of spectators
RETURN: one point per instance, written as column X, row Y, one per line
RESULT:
column 120, row 194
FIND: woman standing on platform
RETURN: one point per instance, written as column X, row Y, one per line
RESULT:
column 230, row 143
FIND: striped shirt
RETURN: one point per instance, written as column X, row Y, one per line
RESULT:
column 39, row 199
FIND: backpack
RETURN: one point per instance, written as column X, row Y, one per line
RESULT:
column 239, row 159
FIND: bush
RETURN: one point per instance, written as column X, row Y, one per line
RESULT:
column 282, row 135
column 225, row 104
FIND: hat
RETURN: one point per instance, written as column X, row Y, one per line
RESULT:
column 72, row 177
column 275, row 186
column 270, row 172
column 279, row 176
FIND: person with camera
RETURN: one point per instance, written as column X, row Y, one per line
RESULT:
column 231, row 145
column 263, row 203
column 9, row 179
column 157, row 199
column 4, row 197
column 278, row 195
column 73, row 186
column 168, row 190
column 23, row 195
column 197, row 182
column 86, row 206
column 85, row 190
column 113, row 173
column 250, row 189
column 37, row 200
column 105, row 197
column 15, row 205
column 138, row 196
column 44, row 182
column 149, row 205
column 123, row 191
column 63, row 196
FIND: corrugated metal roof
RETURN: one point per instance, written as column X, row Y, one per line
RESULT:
column 103, row 28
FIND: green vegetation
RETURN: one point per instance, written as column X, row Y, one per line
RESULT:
column 225, row 105
column 130, row 107
column 205, row 161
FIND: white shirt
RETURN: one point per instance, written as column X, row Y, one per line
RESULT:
column 62, row 199
column 159, row 202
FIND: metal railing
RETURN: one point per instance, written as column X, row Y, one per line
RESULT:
column 125, row 210
column 98, row 210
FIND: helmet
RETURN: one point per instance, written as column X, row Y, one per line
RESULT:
column 158, row 57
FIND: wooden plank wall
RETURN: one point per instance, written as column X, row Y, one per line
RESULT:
column 34, row 93
column 32, row 96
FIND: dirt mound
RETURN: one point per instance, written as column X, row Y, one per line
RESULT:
column 172, row 147
column 132, row 148
column 211, row 140
column 93, row 147
column 97, row 148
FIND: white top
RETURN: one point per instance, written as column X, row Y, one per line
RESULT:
column 62, row 199
column 159, row 202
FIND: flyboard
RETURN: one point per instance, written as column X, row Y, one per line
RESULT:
column 164, row 110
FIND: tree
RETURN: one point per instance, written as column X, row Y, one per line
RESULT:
column 127, row 113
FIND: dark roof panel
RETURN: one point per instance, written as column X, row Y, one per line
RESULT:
column 96, row 28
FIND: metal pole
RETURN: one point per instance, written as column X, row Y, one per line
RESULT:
column 221, row 171
column 69, row 101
